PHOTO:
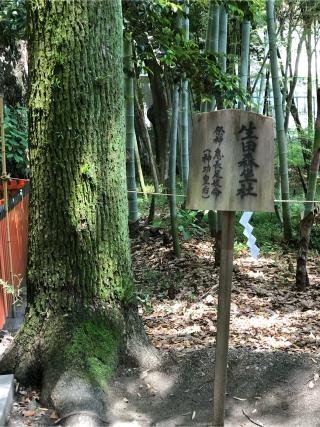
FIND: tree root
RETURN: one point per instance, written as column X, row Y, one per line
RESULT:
column 73, row 357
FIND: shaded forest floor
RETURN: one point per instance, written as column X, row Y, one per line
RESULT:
column 179, row 298
column 274, row 365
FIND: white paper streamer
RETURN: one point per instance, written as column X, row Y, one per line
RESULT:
column 251, row 242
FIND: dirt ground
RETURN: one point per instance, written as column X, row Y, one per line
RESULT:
column 264, row 388
column 273, row 367
column 273, row 389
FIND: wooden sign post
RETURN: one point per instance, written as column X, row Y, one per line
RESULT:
column 231, row 168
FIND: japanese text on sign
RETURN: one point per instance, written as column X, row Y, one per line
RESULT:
column 248, row 164
column 231, row 162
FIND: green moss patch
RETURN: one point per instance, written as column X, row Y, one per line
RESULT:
column 94, row 351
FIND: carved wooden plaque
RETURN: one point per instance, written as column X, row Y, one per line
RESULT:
column 231, row 162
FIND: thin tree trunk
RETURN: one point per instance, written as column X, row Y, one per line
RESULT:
column 144, row 135
column 302, row 280
column 314, row 166
column 139, row 169
column 263, row 78
column 266, row 98
column 172, row 171
column 293, row 82
column 158, row 115
column 302, row 180
column 288, row 62
column 213, row 28
column 309, row 83
column 262, row 67
column 223, row 37
column 233, row 44
column 302, row 137
column 315, row 32
column 212, row 43
column 184, row 113
column 244, row 59
column 281, row 136
column 130, row 135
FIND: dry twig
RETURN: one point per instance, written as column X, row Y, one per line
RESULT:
column 250, row 419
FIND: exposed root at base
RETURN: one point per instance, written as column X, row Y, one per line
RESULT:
column 73, row 357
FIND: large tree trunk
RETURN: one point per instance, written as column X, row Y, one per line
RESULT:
column 81, row 313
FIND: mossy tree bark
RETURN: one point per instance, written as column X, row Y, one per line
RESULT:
column 81, row 312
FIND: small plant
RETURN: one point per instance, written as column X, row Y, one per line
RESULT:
column 8, row 288
column 146, row 303
column 16, row 138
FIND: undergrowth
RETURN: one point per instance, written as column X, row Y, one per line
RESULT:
column 267, row 225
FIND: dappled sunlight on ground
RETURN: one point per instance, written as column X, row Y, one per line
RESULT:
column 179, row 299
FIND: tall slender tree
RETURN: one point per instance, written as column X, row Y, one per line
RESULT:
column 212, row 44
column 130, row 132
column 309, row 214
column 184, row 113
column 172, row 170
column 293, row 83
column 309, row 79
column 245, row 56
column 139, row 169
column 281, row 136
column 263, row 77
column 223, row 36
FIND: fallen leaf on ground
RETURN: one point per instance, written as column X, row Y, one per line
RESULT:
column 54, row 415
column 28, row 413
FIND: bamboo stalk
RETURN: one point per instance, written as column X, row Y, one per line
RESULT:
column 5, row 194
column 139, row 169
column 294, row 82
column 130, row 132
column 244, row 59
column 172, row 170
column 281, row 135
column 184, row 113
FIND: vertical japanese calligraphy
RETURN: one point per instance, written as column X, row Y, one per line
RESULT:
column 216, row 166
column 248, row 180
column 231, row 162
column 217, row 162
column 206, row 168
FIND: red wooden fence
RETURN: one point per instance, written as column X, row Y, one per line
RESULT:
column 18, row 225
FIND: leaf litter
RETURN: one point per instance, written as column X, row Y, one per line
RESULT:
column 179, row 299
column 178, row 302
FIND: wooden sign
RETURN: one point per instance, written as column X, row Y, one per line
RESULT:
column 231, row 162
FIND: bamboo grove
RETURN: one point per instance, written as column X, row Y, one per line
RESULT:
column 187, row 56
column 207, row 55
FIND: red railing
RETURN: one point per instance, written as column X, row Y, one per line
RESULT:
column 18, row 226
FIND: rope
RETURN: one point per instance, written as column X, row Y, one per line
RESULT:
column 184, row 195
